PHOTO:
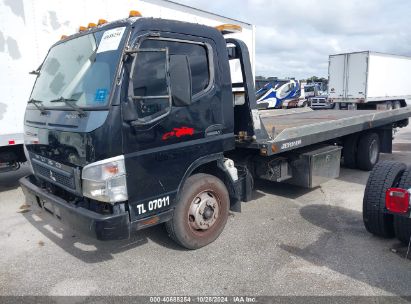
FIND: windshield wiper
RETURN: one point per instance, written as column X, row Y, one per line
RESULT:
column 38, row 105
column 68, row 101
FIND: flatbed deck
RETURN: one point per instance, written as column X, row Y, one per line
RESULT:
column 293, row 130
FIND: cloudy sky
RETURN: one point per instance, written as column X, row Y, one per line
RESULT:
column 294, row 38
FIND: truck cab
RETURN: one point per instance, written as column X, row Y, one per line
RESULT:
column 121, row 115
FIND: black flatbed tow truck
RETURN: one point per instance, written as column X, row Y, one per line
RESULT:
column 141, row 124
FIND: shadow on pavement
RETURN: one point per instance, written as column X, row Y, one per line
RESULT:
column 354, row 176
column 90, row 250
column 347, row 248
column 283, row 190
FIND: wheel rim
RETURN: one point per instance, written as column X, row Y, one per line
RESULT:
column 373, row 152
column 204, row 211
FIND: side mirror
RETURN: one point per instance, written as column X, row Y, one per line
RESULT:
column 180, row 80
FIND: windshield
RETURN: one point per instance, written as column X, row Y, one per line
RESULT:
column 261, row 92
column 280, row 83
column 81, row 70
column 259, row 84
column 309, row 89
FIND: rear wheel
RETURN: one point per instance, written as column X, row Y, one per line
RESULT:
column 350, row 151
column 385, row 175
column 201, row 212
column 368, row 151
column 402, row 225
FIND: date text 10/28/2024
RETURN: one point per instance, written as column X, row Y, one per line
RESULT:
column 203, row 299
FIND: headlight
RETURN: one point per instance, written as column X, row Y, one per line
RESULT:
column 106, row 180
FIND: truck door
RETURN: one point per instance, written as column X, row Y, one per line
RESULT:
column 159, row 153
column 336, row 76
column 356, row 75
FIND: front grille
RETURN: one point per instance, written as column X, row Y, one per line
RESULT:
column 66, row 180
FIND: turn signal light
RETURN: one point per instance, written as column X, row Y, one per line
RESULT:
column 82, row 28
column 91, row 24
column 101, row 21
column 397, row 200
column 229, row 28
column 134, row 14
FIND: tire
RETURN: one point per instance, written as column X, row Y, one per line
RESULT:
column 385, row 175
column 402, row 224
column 201, row 193
column 402, row 228
column 368, row 152
column 350, row 151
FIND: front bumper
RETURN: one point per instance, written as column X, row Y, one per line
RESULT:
column 99, row 226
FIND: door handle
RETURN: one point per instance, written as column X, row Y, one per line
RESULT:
column 214, row 130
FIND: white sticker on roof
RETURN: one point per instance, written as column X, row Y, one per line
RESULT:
column 111, row 40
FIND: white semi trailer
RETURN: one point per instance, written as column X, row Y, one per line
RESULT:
column 369, row 80
column 29, row 27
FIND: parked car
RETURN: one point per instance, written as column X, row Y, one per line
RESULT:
column 320, row 102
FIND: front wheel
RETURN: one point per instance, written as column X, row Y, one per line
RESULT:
column 201, row 212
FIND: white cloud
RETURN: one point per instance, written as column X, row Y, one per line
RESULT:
column 295, row 38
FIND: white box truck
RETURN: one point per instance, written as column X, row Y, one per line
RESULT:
column 29, row 27
column 369, row 80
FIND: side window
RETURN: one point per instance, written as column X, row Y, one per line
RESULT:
column 149, row 92
column 199, row 68
column 197, row 57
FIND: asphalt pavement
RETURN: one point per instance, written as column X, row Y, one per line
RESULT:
column 287, row 241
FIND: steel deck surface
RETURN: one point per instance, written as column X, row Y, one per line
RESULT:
column 290, row 130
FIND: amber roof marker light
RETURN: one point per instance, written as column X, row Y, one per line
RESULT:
column 135, row 14
column 229, row 28
column 101, row 21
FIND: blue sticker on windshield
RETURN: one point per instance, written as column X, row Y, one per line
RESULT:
column 101, row 95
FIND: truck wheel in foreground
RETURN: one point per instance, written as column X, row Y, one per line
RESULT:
column 385, row 175
column 402, row 224
column 350, row 151
column 402, row 228
column 201, row 212
column 368, row 151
